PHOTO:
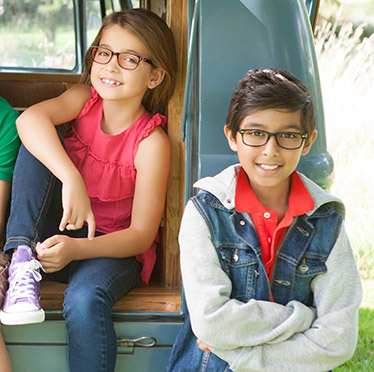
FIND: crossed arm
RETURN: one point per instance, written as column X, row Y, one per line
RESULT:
column 266, row 336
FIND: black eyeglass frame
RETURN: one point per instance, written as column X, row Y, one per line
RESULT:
column 304, row 136
column 117, row 54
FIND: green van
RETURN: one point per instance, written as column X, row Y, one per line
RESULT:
column 43, row 43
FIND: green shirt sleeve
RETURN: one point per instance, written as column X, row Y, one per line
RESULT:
column 9, row 140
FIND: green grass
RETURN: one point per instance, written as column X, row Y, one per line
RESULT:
column 363, row 359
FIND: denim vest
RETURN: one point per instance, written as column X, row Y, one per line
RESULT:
column 300, row 257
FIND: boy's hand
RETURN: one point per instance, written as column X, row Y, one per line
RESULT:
column 77, row 207
column 204, row 347
column 56, row 252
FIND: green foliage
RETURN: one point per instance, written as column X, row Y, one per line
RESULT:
column 346, row 64
column 357, row 12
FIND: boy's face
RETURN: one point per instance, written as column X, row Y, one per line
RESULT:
column 269, row 166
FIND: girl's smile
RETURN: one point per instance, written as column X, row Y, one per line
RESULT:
column 110, row 82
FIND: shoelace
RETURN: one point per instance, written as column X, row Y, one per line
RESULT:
column 23, row 285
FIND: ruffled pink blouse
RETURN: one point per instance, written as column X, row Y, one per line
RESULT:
column 106, row 163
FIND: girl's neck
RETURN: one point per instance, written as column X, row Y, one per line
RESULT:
column 118, row 116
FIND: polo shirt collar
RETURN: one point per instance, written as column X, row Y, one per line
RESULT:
column 300, row 201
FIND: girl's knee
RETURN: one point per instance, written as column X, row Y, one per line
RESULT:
column 84, row 305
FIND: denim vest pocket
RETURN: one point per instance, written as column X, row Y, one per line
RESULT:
column 297, row 287
column 240, row 264
column 306, row 270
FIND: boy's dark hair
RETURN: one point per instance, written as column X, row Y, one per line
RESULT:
column 270, row 89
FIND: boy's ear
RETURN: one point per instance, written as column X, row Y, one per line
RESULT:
column 309, row 143
column 230, row 139
column 156, row 78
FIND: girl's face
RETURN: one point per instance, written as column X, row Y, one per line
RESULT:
column 111, row 81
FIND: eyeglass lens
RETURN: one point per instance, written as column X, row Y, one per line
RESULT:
column 103, row 55
column 287, row 140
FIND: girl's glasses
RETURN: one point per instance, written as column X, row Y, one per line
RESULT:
column 286, row 140
column 126, row 60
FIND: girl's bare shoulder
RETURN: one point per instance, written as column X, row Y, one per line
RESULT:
column 155, row 146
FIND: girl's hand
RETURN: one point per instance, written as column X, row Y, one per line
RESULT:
column 77, row 207
column 204, row 347
column 56, row 252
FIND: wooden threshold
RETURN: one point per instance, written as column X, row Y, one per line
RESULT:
column 150, row 298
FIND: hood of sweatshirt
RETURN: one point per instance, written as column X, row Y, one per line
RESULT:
column 223, row 187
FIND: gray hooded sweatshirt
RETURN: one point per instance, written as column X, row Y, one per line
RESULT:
column 261, row 336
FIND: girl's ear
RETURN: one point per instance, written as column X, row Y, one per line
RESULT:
column 309, row 143
column 230, row 139
column 156, row 78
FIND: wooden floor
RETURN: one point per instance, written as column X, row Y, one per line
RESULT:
column 151, row 298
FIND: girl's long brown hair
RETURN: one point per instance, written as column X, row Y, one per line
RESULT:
column 158, row 38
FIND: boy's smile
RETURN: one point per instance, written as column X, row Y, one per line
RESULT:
column 269, row 166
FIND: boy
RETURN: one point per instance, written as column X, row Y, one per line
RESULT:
column 268, row 272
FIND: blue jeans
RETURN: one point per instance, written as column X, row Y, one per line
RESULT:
column 94, row 284
column 186, row 356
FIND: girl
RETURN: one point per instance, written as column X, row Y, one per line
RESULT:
column 92, row 212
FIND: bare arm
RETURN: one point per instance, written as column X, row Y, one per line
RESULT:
column 152, row 165
column 36, row 128
column 5, row 365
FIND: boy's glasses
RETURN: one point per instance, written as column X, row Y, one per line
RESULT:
column 126, row 60
column 286, row 140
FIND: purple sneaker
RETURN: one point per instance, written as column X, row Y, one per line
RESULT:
column 21, row 304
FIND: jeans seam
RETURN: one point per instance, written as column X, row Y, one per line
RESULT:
column 20, row 239
column 41, row 209
column 104, row 344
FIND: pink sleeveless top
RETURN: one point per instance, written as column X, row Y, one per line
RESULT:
column 106, row 163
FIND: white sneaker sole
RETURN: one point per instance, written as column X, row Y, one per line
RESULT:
column 27, row 317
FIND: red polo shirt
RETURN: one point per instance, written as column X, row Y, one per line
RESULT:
column 271, row 233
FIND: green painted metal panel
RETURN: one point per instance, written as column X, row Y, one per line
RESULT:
column 55, row 332
column 31, row 358
column 43, row 347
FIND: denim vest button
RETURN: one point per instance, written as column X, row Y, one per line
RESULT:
column 242, row 222
column 304, row 268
